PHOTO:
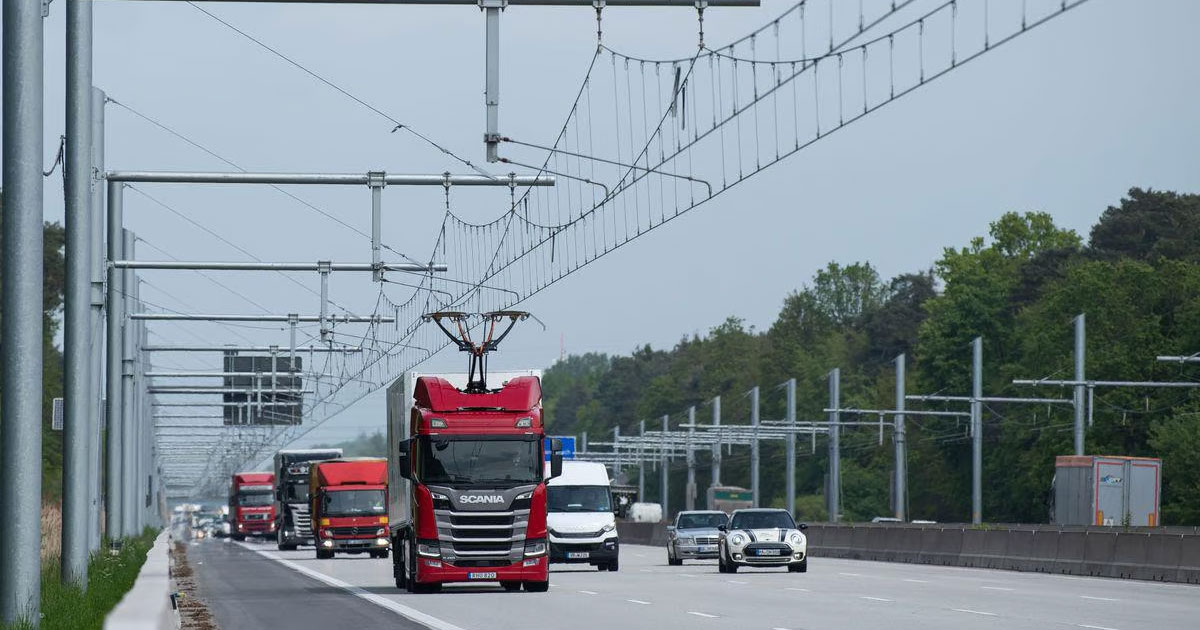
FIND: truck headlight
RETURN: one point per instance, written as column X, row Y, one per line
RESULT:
column 737, row 539
column 326, row 533
column 428, row 549
column 381, row 542
column 381, row 532
column 535, row 547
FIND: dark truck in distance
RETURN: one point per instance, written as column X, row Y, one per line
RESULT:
column 293, row 514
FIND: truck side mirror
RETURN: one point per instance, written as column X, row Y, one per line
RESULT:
column 403, row 462
column 555, row 457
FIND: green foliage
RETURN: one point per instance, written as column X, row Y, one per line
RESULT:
column 1019, row 288
column 109, row 578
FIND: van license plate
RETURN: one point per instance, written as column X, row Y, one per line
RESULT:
column 574, row 555
column 490, row 575
column 768, row 552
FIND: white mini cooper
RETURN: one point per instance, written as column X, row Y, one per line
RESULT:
column 762, row 538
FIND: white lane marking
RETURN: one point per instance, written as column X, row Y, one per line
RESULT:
column 640, row 555
column 700, row 614
column 916, row 581
column 875, row 599
column 638, row 601
column 588, row 592
column 1099, row 599
column 645, row 570
column 997, row 588
column 736, row 582
column 974, row 612
column 796, row 588
column 781, row 629
column 687, row 575
column 400, row 609
column 1084, row 625
column 851, row 574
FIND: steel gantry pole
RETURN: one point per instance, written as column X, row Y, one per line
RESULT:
column 642, row 464
column 1080, row 390
column 977, row 430
column 128, row 399
column 835, row 462
column 716, row 451
column 689, row 492
column 491, row 96
column 754, row 453
column 96, row 264
column 21, row 302
column 665, row 472
column 77, row 302
column 790, row 449
column 899, row 439
column 114, row 322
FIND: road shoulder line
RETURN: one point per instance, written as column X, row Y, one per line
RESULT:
column 407, row 612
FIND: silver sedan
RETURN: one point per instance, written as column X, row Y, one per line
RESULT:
column 694, row 535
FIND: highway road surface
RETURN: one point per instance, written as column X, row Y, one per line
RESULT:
column 298, row 592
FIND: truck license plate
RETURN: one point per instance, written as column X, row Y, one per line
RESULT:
column 577, row 554
column 768, row 552
column 490, row 575
column 707, row 548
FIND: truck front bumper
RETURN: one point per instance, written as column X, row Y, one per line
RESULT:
column 430, row 571
column 254, row 528
column 585, row 552
column 354, row 545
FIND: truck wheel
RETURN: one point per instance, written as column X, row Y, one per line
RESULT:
column 239, row 537
column 324, row 555
column 511, row 586
column 380, row 554
column 537, row 587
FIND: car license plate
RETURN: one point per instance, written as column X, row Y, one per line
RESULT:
column 577, row 554
column 490, row 575
column 707, row 548
column 768, row 552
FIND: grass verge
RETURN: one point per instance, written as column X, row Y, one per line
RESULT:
column 109, row 578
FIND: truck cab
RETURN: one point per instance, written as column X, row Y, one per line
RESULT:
column 293, row 516
column 470, row 488
column 579, row 516
column 251, row 504
column 349, row 506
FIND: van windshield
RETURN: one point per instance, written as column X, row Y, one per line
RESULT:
column 578, row 499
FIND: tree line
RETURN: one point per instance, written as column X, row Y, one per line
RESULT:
column 1137, row 277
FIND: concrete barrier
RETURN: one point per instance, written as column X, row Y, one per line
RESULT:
column 1164, row 554
column 147, row 606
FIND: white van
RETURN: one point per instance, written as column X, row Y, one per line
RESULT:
column 579, row 516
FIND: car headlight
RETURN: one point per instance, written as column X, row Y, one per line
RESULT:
column 796, row 538
column 737, row 539
column 608, row 528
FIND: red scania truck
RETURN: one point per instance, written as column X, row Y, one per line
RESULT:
column 468, row 482
column 349, row 506
column 252, row 504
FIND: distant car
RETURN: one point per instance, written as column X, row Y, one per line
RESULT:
column 694, row 535
column 886, row 519
column 762, row 538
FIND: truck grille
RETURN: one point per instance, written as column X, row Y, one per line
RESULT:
column 476, row 536
column 301, row 521
column 361, row 530
column 255, row 517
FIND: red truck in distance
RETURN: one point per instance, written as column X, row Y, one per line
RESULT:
column 252, row 504
column 349, row 506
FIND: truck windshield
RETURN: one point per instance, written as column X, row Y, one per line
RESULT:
column 702, row 521
column 479, row 461
column 256, row 499
column 353, row 503
column 578, row 499
column 762, row 520
column 297, row 492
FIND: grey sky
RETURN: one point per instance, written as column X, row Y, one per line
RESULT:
column 1065, row 119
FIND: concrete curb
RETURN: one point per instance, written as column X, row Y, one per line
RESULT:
column 147, row 606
